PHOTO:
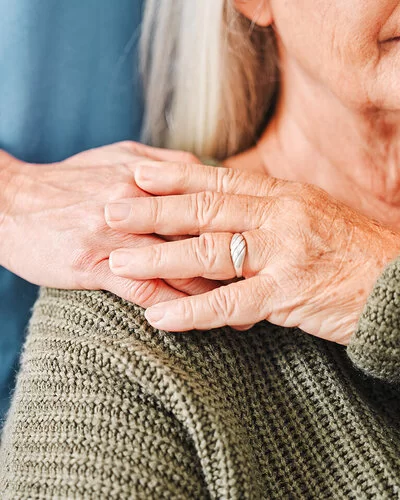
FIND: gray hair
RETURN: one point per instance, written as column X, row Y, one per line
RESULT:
column 210, row 76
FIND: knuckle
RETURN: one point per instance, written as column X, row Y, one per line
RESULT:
column 186, row 283
column 123, row 189
column 190, row 311
column 83, row 259
column 293, row 203
column 206, row 253
column 84, row 266
column 185, row 157
column 182, row 168
column 305, row 192
column 130, row 146
column 259, row 212
column 269, row 185
column 267, row 244
column 136, row 149
column 221, row 304
column 206, row 206
column 227, row 179
column 95, row 223
column 155, row 255
column 307, row 188
column 143, row 293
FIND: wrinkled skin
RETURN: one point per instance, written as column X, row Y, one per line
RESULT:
column 313, row 254
column 311, row 261
column 53, row 227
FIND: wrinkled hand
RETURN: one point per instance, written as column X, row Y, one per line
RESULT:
column 311, row 261
column 53, row 229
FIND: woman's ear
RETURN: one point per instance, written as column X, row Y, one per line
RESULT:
column 258, row 11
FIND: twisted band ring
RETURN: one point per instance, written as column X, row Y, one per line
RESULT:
column 238, row 250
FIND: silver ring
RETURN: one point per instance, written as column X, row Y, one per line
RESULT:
column 238, row 249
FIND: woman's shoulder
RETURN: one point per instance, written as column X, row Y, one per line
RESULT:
column 103, row 395
column 97, row 378
column 107, row 337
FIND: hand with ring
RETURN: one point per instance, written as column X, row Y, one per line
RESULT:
column 307, row 260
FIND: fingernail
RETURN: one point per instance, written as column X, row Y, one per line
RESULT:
column 117, row 211
column 154, row 314
column 119, row 258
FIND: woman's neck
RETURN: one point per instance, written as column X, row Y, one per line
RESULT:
column 313, row 138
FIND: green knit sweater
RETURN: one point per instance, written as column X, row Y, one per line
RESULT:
column 107, row 407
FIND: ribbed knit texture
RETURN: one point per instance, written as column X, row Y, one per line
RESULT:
column 375, row 347
column 106, row 407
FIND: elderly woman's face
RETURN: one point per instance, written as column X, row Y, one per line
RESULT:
column 351, row 46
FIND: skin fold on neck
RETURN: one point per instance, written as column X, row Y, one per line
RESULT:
column 352, row 153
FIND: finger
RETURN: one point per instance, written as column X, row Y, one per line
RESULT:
column 208, row 256
column 144, row 293
column 158, row 154
column 102, row 157
column 190, row 286
column 233, row 304
column 188, row 214
column 193, row 286
column 180, row 178
column 243, row 328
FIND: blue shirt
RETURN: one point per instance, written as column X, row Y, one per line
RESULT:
column 68, row 82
